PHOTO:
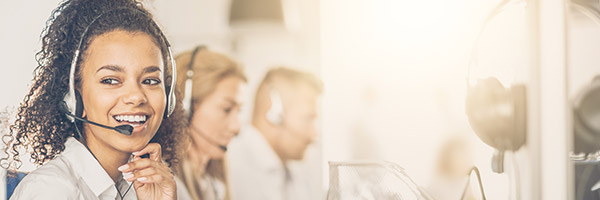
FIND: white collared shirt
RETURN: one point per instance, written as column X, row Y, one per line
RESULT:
column 256, row 172
column 73, row 174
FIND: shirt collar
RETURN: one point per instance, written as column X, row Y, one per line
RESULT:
column 87, row 167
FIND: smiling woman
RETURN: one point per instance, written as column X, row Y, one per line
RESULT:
column 116, row 86
column 102, row 64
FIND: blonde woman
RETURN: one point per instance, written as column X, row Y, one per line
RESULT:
column 211, row 82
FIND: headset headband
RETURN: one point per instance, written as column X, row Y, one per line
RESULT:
column 187, row 97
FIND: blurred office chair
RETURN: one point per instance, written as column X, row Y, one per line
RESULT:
column 13, row 178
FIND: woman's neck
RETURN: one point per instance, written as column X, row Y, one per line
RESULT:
column 200, row 158
column 109, row 158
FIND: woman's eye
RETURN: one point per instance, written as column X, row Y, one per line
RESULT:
column 228, row 110
column 109, row 81
column 151, row 81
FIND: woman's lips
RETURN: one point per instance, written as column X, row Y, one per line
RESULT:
column 137, row 126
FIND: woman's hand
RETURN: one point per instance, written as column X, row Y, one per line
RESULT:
column 151, row 177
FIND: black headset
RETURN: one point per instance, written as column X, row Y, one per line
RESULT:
column 72, row 100
column 498, row 115
column 187, row 97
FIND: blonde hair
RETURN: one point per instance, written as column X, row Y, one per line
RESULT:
column 208, row 68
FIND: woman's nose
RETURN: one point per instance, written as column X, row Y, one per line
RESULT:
column 134, row 95
column 234, row 125
column 312, row 133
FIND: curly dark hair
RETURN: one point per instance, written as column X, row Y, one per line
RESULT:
column 40, row 127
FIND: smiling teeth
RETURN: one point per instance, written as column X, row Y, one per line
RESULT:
column 131, row 118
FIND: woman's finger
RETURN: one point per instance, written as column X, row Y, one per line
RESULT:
column 136, row 165
column 150, row 171
column 156, row 178
column 153, row 149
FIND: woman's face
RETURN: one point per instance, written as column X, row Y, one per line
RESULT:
column 122, row 83
column 217, row 115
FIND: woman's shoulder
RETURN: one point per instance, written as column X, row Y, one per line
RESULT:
column 56, row 168
column 53, row 179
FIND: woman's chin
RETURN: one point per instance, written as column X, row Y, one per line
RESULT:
column 217, row 156
column 132, row 144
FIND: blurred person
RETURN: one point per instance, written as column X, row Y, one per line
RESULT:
column 283, row 125
column 211, row 82
column 453, row 165
column 100, row 119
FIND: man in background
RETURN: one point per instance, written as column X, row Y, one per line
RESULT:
column 283, row 125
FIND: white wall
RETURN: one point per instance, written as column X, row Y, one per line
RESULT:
column 395, row 76
column 20, row 28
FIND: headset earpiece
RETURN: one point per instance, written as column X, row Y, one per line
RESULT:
column 519, row 94
column 275, row 113
column 586, row 113
column 187, row 98
column 171, row 99
column 78, row 104
column 498, row 116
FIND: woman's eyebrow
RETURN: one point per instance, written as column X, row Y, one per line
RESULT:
column 115, row 68
column 151, row 69
column 231, row 101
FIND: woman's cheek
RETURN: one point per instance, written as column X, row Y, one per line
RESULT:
column 158, row 101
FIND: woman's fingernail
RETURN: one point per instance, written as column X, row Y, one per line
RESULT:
column 127, row 176
column 141, row 179
column 124, row 167
column 135, row 153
